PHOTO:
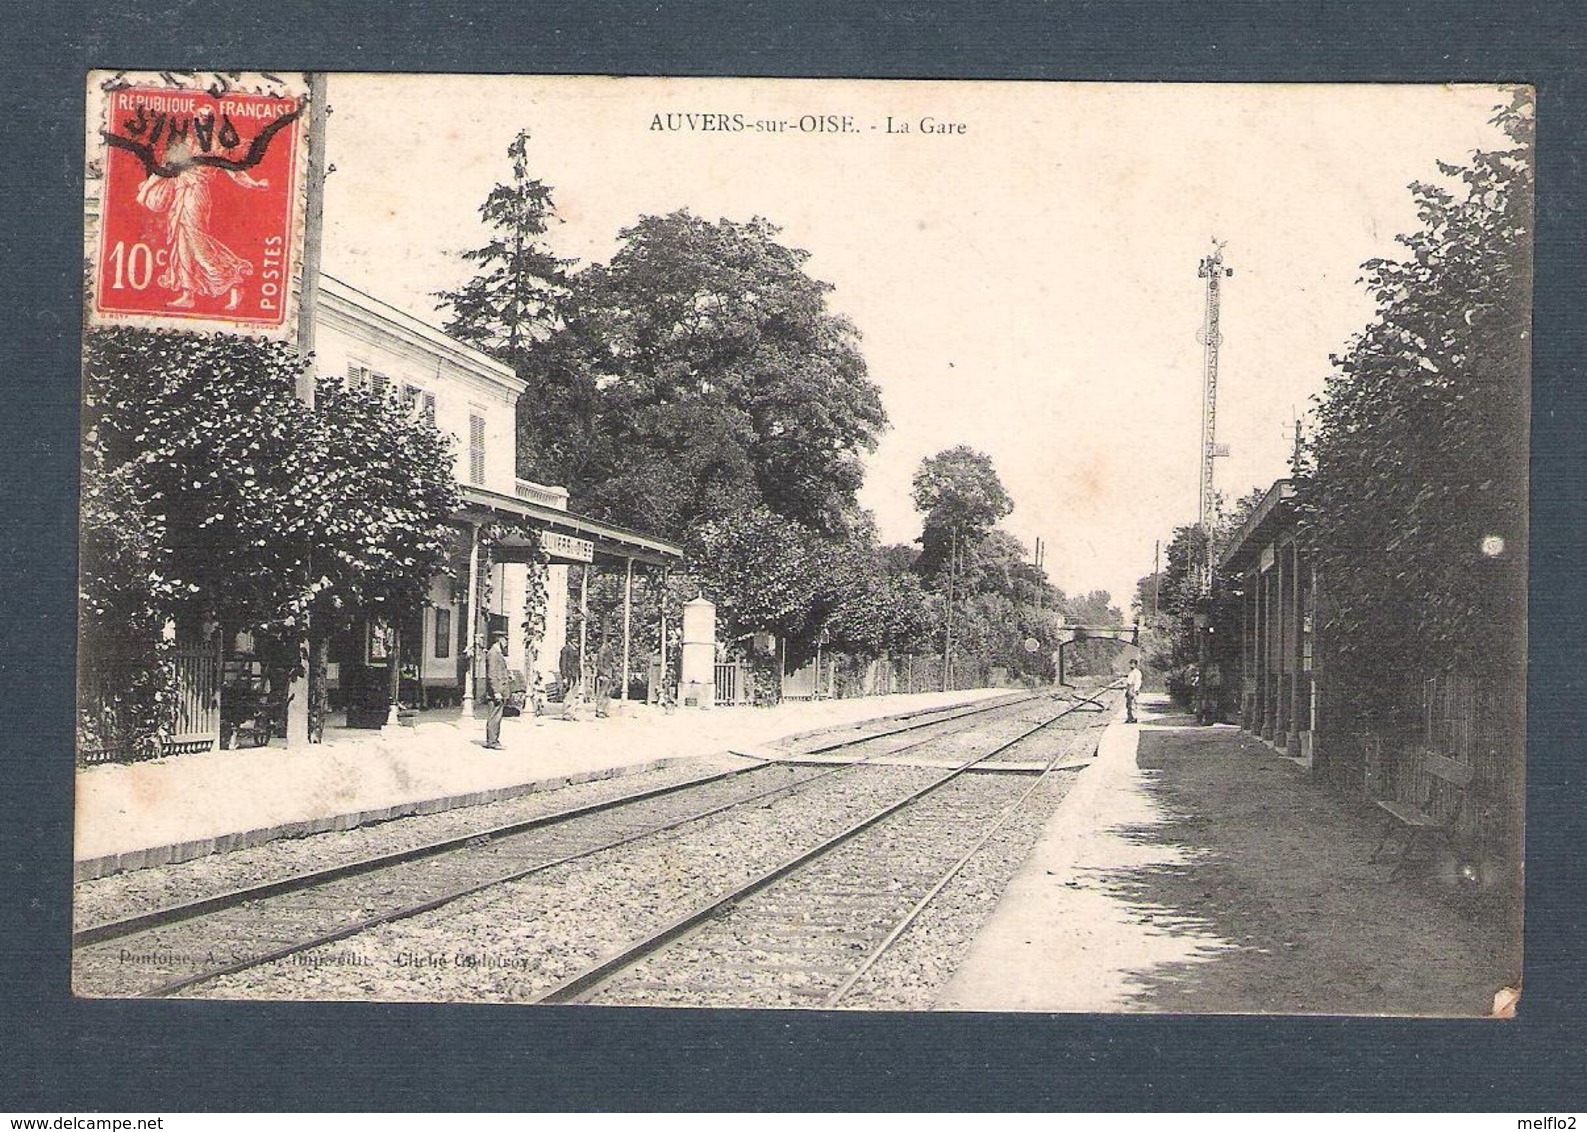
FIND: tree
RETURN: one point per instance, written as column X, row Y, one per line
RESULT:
column 1414, row 484
column 513, row 300
column 866, row 606
column 960, row 495
column 1177, row 594
column 760, row 569
column 959, row 489
column 238, row 503
column 719, row 377
column 698, row 373
column 125, row 698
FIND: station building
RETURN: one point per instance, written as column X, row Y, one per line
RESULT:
column 1277, row 683
column 425, row 660
column 1291, row 698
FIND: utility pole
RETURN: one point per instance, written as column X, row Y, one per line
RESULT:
column 300, row 723
column 1211, row 337
column 947, row 638
column 1157, row 572
column 1041, row 582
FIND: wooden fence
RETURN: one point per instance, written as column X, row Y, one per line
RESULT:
column 1481, row 723
column 194, row 724
column 197, row 723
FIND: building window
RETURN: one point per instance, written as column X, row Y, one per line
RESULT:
column 443, row 634
column 419, row 403
column 476, row 448
column 362, row 377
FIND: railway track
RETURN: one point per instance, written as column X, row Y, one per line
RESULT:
column 172, row 949
column 812, row 927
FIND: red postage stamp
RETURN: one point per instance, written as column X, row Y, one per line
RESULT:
column 199, row 209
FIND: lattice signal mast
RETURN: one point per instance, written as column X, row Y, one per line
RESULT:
column 1214, row 272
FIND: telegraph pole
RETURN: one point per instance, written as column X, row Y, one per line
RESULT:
column 1211, row 337
column 299, row 717
column 1041, row 583
column 1157, row 571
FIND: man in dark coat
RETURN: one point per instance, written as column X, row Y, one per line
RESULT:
column 498, row 684
column 568, row 669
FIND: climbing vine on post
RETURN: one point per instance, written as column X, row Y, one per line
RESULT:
column 536, row 600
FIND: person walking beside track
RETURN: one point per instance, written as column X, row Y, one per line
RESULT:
column 1132, row 691
column 497, row 686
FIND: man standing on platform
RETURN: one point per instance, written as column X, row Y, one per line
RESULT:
column 1132, row 690
column 568, row 667
column 497, row 687
column 605, row 677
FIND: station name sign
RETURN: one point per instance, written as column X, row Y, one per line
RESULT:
column 566, row 548
column 201, row 186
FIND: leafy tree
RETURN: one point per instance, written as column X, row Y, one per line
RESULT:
column 513, row 300
column 125, row 697
column 1414, row 484
column 760, row 569
column 960, row 496
column 869, row 607
column 957, row 490
column 698, row 373
column 717, row 377
column 240, row 504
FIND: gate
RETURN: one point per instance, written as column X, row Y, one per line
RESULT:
column 735, row 683
column 197, row 723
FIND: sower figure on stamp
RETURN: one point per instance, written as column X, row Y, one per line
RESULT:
column 1132, row 691
column 196, row 263
column 497, row 687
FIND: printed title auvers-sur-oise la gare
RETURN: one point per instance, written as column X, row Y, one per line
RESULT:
column 738, row 123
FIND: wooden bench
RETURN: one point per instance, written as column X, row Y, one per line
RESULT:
column 1418, row 817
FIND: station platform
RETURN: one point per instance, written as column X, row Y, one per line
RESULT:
column 1194, row 869
column 186, row 806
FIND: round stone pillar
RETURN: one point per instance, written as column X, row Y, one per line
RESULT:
column 697, row 675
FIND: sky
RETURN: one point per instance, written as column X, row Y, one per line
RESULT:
column 1024, row 279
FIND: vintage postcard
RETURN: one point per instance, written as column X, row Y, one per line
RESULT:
column 804, row 544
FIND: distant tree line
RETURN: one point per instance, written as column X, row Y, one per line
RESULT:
column 698, row 386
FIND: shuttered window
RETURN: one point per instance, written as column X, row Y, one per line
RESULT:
column 476, row 448
column 428, row 400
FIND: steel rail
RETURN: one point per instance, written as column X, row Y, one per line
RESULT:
column 947, row 877
column 571, row 988
column 977, row 709
column 408, row 911
column 177, row 913
column 479, row 840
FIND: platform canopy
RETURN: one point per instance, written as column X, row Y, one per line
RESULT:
column 566, row 537
column 1271, row 515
